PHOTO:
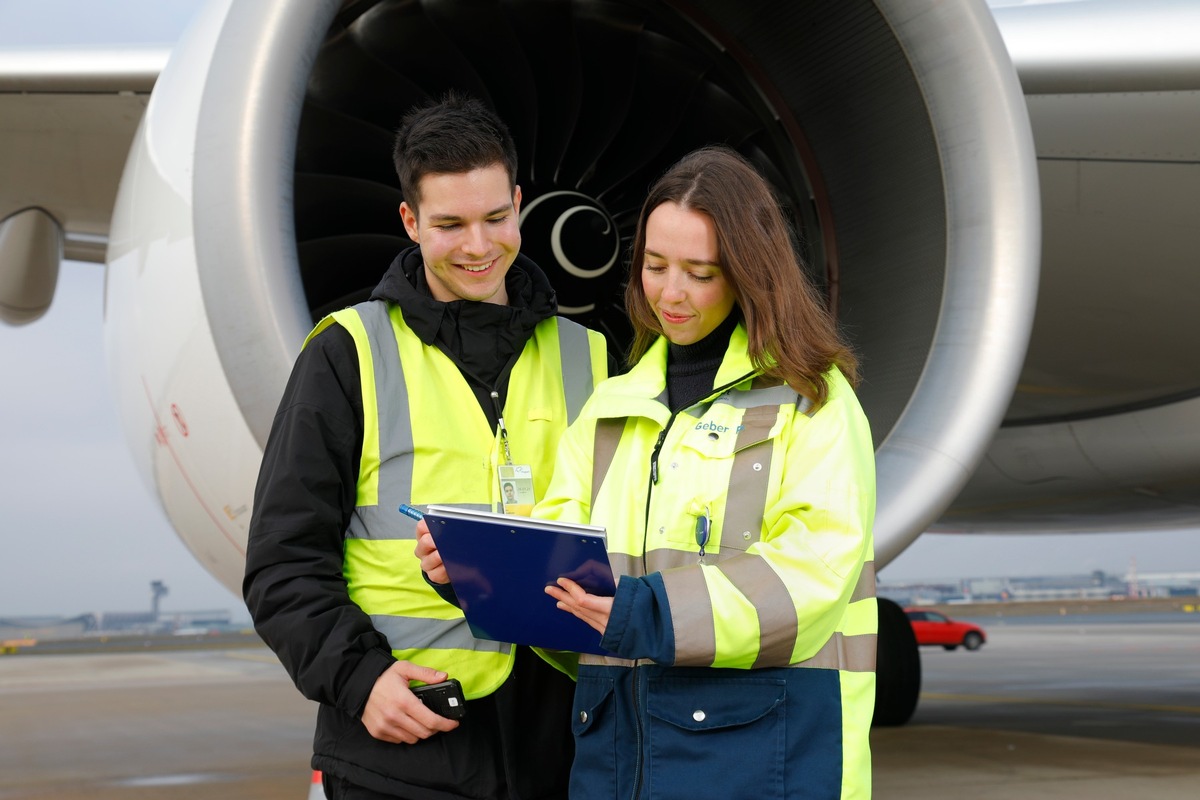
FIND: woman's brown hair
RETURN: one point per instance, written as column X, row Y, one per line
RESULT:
column 792, row 335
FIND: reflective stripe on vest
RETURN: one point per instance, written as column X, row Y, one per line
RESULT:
column 575, row 353
column 392, row 441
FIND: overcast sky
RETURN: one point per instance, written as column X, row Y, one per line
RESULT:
column 81, row 532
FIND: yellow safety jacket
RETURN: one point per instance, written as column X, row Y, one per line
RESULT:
column 766, row 642
column 426, row 440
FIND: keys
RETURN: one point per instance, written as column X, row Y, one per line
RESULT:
column 703, row 530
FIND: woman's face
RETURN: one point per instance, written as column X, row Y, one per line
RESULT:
column 681, row 273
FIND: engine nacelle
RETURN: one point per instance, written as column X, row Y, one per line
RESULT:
column 260, row 194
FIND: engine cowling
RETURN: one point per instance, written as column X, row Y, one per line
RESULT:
column 260, row 194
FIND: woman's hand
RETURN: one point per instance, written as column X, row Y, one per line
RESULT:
column 427, row 552
column 592, row 609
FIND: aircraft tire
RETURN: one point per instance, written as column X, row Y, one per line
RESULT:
column 898, row 668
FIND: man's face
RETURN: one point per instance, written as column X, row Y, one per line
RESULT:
column 467, row 230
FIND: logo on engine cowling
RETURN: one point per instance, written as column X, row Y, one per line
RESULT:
column 575, row 241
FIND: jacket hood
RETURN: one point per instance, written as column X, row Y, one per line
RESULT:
column 483, row 339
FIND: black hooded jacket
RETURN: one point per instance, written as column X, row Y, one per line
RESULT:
column 515, row 743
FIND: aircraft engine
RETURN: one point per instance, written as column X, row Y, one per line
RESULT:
column 260, row 194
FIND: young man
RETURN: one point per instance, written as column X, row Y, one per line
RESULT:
column 400, row 400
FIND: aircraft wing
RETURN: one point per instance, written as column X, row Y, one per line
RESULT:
column 69, row 118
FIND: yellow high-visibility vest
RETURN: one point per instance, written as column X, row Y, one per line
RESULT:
column 426, row 440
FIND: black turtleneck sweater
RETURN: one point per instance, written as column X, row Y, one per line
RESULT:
column 692, row 368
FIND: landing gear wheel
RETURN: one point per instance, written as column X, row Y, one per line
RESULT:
column 898, row 668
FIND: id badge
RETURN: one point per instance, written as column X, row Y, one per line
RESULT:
column 516, row 488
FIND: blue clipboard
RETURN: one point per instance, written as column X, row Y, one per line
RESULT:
column 500, row 564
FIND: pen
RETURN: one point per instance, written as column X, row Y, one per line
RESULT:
column 410, row 512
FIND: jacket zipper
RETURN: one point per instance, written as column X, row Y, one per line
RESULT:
column 637, row 710
column 658, row 445
column 662, row 437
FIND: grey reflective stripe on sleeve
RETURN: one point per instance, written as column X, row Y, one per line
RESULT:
column 695, row 638
column 665, row 558
column 395, row 432
column 777, row 621
column 422, row 633
column 778, row 624
column 604, row 447
column 776, row 610
column 576, row 355
column 849, row 653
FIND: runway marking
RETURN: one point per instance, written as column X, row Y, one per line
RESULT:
column 261, row 658
column 171, row 780
column 983, row 698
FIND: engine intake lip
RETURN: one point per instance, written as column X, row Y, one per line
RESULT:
column 919, row 147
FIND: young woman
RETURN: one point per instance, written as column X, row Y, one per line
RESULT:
column 734, row 471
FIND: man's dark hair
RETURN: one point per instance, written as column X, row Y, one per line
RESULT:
column 453, row 135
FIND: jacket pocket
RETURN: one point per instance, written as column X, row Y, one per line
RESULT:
column 729, row 461
column 594, row 725
column 716, row 737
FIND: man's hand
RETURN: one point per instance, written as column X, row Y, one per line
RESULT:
column 591, row 608
column 394, row 714
column 427, row 552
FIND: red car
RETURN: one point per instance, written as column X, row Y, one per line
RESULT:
column 933, row 627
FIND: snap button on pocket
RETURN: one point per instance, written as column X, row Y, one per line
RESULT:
column 583, row 717
column 698, row 715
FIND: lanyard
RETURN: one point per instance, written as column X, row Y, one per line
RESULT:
column 503, row 430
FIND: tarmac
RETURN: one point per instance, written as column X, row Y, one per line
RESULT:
column 1043, row 710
